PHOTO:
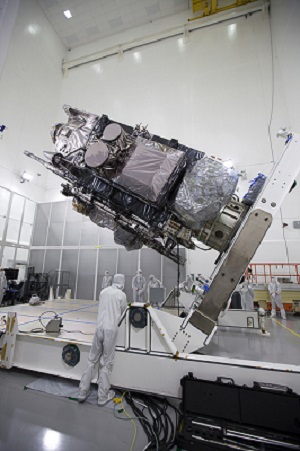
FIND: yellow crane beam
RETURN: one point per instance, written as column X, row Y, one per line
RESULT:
column 209, row 7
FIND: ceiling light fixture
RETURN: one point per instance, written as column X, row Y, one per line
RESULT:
column 25, row 177
column 232, row 31
column 33, row 29
column 137, row 56
column 67, row 14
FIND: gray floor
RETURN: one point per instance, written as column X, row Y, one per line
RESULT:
column 281, row 346
column 36, row 421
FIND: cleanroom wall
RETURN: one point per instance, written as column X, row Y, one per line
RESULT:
column 212, row 90
column 64, row 240
column 30, row 86
column 282, row 244
column 16, row 222
column 278, row 85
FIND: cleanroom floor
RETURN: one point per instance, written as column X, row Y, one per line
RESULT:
column 281, row 346
column 37, row 421
column 79, row 317
column 79, row 321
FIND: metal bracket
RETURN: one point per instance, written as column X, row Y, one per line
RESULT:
column 233, row 267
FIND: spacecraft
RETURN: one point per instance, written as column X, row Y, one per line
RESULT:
column 150, row 191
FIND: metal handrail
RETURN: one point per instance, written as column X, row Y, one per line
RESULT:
column 264, row 271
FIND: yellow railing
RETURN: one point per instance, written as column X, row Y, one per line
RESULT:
column 262, row 272
column 209, row 7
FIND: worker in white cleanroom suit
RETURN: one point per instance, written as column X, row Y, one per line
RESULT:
column 274, row 289
column 106, row 281
column 247, row 296
column 3, row 284
column 153, row 283
column 138, row 286
column 112, row 304
column 187, row 285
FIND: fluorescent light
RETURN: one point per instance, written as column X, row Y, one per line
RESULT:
column 137, row 56
column 33, row 29
column 67, row 14
column 27, row 176
column 98, row 68
column 232, row 31
column 181, row 44
column 228, row 163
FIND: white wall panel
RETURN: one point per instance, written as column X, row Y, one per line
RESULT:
column 8, row 15
column 8, row 257
column 30, row 89
column 89, row 233
column 36, row 259
column 128, row 265
column 86, row 274
column 13, row 230
column 107, row 261
column 40, row 228
column 69, row 263
column 106, row 237
column 286, row 32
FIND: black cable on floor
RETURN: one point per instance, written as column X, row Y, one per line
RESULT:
column 158, row 425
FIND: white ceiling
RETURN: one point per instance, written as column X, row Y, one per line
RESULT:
column 95, row 19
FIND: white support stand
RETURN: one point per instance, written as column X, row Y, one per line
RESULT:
column 151, row 359
column 154, row 359
column 240, row 318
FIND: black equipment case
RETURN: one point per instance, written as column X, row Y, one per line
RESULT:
column 222, row 415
